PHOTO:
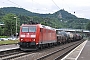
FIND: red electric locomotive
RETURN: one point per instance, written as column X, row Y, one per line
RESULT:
column 34, row 36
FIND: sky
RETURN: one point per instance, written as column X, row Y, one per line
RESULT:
column 80, row 7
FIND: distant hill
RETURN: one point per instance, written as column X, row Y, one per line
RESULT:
column 21, row 11
column 1, row 13
column 61, row 18
column 17, row 11
column 64, row 14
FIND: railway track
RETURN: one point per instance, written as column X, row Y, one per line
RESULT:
column 54, row 53
column 51, row 53
column 58, row 54
column 11, row 54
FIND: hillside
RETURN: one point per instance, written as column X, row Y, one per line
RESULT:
column 17, row 11
column 64, row 14
column 59, row 19
column 21, row 11
column 1, row 12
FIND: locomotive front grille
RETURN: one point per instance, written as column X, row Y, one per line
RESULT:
column 27, row 44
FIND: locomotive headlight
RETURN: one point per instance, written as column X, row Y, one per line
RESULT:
column 36, row 43
column 33, row 39
column 21, row 39
column 33, row 36
column 22, row 35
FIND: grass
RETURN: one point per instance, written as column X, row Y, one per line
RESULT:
column 9, row 42
column 3, row 36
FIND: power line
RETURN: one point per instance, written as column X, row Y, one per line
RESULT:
column 55, row 4
column 32, row 4
column 68, row 6
column 14, row 3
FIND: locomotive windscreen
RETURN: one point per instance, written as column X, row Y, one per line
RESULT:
column 24, row 29
column 32, row 29
column 29, row 29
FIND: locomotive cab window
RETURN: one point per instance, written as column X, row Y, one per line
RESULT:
column 29, row 29
column 24, row 29
column 32, row 29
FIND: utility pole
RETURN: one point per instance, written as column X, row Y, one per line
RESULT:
column 16, row 26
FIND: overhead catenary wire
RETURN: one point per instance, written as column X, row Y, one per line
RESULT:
column 14, row 3
column 33, row 5
column 55, row 4
column 68, row 6
column 22, row 7
column 59, row 7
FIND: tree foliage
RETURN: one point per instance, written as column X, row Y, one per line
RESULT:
column 10, row 24
column 88, row 26
column 59, row 19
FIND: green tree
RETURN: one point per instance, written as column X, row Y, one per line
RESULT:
column 88, row 26
column 10, row 24
column 0, row 30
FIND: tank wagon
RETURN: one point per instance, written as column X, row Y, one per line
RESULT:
column 67, row 37
column 62, row 37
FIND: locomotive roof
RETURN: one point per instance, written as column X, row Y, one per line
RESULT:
column 47, row 27
column 41, row 26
